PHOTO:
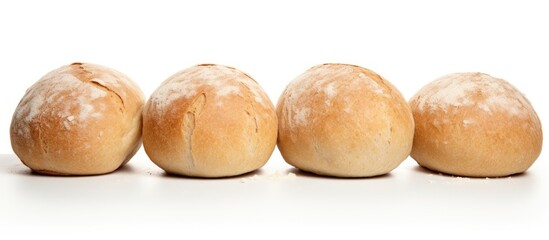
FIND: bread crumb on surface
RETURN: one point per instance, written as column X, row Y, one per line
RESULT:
column 275, row 176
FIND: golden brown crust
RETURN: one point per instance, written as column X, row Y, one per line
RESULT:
column 209, row 121
column 80, row 119
column 482, row 127
column 343, row 120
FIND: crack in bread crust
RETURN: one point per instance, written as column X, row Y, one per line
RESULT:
column 189, row 124
column 253, row 114
column 106, row 89
column 41, row 139
column 89, row 77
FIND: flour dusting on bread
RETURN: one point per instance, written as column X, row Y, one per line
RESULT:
column 477, row 90
column 330, row 83
column 214, row 80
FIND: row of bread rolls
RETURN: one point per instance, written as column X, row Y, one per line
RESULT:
column 214, row 121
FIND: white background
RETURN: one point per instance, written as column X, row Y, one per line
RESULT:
column 410, row 43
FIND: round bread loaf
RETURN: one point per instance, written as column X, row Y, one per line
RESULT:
column 472, row 124
column 345, row 121
column 80, row 119
column 209, row 121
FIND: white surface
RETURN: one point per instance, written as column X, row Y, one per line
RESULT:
column 142, row 198
column 408, row 42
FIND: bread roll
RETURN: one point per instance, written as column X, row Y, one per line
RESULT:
column 472, row 124
column 209, row 121
column 80, row 119
column 345, row 121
